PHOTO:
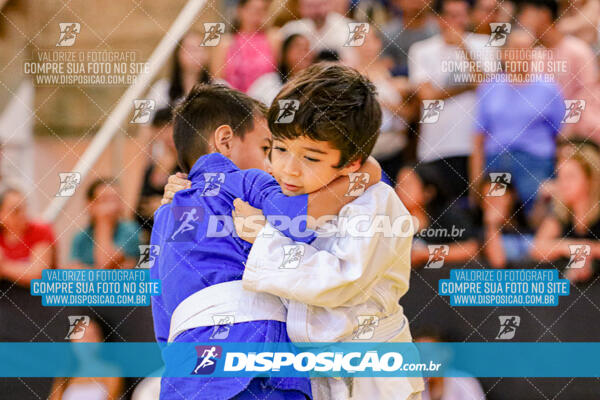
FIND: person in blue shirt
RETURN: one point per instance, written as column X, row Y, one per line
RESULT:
column 519, row 117
column 222, row 138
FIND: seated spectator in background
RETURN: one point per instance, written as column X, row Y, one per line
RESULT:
column 421, row 189
column 447, row 143
column 100, row 388
column 249, row 52
column 162, row 164
column 414, row 24
column 324, row 28
column 518, row 120
column 295, row 56
column 448, row 388
column 189, row 67
column 506, row 237
column 26, row 247
column 484, row 12
column 574, row 65
column 580, row 18
column 109, row 241
column 575, row 218
column 391, row 94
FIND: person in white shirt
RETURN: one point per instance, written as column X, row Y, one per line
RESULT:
column 326, row 29
column 447, row 67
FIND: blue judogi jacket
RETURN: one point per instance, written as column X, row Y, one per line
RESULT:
column 189, row 260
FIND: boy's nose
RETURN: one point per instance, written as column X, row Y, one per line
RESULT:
column 292, row 167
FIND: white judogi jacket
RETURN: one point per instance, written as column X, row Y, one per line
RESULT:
column 339, row 279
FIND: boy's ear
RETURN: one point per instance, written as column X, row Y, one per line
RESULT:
column 223, row 140
column 351, row 167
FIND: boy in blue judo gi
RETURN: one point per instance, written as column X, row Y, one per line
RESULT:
column 221, row 137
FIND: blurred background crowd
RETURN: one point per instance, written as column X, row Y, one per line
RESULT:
column 504, row 175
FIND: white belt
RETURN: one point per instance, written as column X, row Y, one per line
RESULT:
column 207, row 306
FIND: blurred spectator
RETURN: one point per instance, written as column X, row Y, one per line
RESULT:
column 522, row 144
column 163, row 164
column 27, row 247
column 415, row 24
column 326, row 29
column 506, row 237
column 283, row 12
column 574, row 66
column 391, row 93
column 295, row 56
column 484, row 12
column 448, row 388
column 250, row 51
column 437, row 69
column 421, row 189
column 580, row 18
column 83, row 387
column 190, row 66
column 575, row 218
column 109, row 241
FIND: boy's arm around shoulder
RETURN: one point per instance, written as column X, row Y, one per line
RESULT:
column 356, row 260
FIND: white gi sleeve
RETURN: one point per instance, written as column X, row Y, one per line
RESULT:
column 343, row 275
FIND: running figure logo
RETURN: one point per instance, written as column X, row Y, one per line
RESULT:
column 292, row 255
column 207, row 359
column 579, row 253
column 142, row 111
column 431, row 111
column 358, row 33
column 573, row 111
column 187, row 218
column 223, row 324
column 212, row 33
column 212, row 183
column 68, row 33
column 358, row 183
column 148, row 254
column 287, row 111
column 437, row 254
column 500, row 182
column 77, row 325
column 68, row 183
column 500, row 31
column 508, row 326
column 366, row 327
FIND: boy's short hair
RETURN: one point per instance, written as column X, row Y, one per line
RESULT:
column 336, row 104
column 204, row 109
column 162, row 117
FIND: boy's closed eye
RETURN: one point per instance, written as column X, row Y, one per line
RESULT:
column 282, row 149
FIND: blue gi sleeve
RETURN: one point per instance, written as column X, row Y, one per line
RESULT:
column 285, row 213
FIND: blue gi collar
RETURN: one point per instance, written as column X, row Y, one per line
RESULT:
column 213, row 162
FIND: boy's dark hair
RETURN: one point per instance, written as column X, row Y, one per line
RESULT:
column 336, row 104
column 439, row 5
column 204, row 109
column 550, row 5
column 162, row 117
column 90, row 194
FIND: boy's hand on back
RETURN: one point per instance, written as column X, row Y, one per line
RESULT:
column 248, row 221
column 175, row 183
